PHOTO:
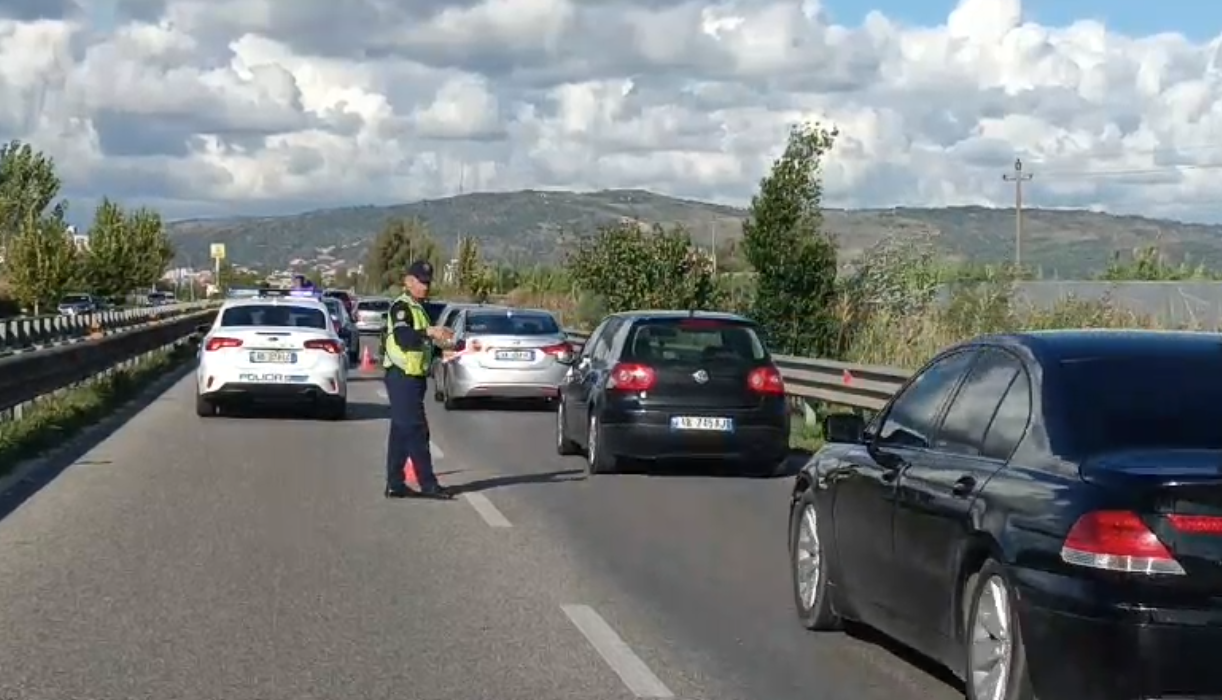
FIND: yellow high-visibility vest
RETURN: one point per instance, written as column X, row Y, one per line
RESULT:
column 414, row 363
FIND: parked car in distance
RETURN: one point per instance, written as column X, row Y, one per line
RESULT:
column 371, row 314
column 656, row 385
column 503, row 354
column 345, row 326
column 79, row 304
column 1039, row 512
column 345, row 297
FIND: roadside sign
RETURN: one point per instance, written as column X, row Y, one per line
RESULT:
column 218, row 251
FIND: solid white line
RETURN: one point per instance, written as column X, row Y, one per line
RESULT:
column 619, row 656
column 486, row 510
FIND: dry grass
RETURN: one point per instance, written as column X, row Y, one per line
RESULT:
column 890, row 314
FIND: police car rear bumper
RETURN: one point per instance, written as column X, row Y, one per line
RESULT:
column 284, row 384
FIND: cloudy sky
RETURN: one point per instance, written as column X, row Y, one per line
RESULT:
column 207, row 107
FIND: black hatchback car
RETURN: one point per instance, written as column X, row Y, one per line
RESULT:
column 650, row 385
column 1042, row 513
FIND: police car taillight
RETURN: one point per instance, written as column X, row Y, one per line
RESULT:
column 328, row 346
column 219, row 343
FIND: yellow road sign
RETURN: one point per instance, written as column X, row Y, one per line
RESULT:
column 218, row 251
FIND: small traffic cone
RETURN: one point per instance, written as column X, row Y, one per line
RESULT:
column 409, row 474
column 367, row 364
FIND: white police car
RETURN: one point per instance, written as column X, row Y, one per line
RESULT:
column 278, row 347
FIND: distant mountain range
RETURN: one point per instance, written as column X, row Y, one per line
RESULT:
column 527, row 226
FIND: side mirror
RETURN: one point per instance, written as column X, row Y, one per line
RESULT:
column 843, row 427
column 203, row 330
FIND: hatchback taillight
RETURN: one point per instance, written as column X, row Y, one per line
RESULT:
column 766, row 380
column 219, row 343
column 328, row 346
column 628, row 376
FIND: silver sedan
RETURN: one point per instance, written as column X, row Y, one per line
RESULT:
column 505, row 354
column 371, row 314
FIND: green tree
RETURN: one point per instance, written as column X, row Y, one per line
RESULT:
column 151, row 247
column 469, row 270
column 233, row 277
column 28, row 187
column 112, row 263
column 630, row 267
column 41, row 261
column 400, row 243
column 794, row 258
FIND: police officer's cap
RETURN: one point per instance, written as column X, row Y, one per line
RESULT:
column 422, row 270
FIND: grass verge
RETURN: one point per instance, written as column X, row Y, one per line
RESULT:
column 56, row 419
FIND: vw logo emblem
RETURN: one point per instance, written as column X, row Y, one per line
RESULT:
column 700, row 376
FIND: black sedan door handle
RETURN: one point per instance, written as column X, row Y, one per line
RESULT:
column 964, row 485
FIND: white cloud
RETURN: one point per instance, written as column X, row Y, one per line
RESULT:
column 204, row 106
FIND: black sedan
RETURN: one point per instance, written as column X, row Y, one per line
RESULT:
column 654, row 385
column 1041, row 513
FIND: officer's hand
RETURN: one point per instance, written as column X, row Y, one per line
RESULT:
column 440, row 333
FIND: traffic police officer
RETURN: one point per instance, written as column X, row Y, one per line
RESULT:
column 409, row 350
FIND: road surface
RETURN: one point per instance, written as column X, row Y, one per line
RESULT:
column 254, row 559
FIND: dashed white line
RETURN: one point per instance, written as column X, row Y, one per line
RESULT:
column 640, row 681
column 490, row 513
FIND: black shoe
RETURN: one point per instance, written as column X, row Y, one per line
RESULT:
column 399, row 491
column 436, row 493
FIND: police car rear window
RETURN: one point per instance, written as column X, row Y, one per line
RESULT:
column 273, row 315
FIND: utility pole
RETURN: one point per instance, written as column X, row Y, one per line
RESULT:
column 713, row 244
column 1018, row 177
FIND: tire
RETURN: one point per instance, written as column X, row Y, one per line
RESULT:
column 565, row 446
column 985, row 588
column 204, row 407
column 598, row 461
column 813, row 603
column 448, row 402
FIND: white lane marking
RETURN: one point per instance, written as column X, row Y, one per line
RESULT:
column 382, row 394
column 640, row 681
column 486, row 510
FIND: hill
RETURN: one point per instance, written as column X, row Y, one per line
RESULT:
column 527, row 226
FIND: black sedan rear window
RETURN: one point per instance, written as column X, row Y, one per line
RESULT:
column 693, row 340
column 1143, row 402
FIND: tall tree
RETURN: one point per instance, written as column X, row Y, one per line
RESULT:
column 793, row 256
column 151, row 247
column 400, row 243
column 112, row 261
column 470, row 267
column 28, row 187
column 41, row 261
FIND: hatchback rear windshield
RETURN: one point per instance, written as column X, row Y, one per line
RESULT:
column 693, row 340
column 379, row 306
column 1143, row 402
column 274, row 315
column 511, row 324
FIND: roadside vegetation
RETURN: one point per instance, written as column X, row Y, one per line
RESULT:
column 128, row 250
column 54, row 419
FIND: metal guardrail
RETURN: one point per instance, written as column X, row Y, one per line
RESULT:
column 36, row 333
column 866, row 387
column 29, row 375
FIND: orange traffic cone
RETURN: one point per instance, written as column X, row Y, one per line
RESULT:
column 367, row 364
column 409, row 474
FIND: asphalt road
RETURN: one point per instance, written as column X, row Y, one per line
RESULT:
column 253, row 558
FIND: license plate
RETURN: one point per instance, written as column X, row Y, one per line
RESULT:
column 273, row 357
column 515, row 355
column 719, row 425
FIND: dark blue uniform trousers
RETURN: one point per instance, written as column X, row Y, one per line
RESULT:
column 409, row 430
